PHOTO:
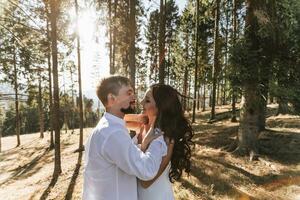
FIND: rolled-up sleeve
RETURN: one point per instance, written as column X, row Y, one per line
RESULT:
column 119, row 149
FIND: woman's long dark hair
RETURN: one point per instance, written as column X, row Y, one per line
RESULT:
column 171, row 120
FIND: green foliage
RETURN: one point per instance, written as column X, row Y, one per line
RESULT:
column 9, row 124
column 29, row 120
column 244, row 63
column 286, row 81
column 152, row 44
column 269, row 55
column 152, row 41
column 29, row 116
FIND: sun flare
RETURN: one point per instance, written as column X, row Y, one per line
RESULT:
column 94, row 56
column 86, row 26
column 86, row 23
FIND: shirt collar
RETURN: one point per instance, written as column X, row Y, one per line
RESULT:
column 111, row 117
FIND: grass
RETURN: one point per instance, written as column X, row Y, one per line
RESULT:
column 26, row 171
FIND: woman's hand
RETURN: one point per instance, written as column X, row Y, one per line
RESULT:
column 152, row 134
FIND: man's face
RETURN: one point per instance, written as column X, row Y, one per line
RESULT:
column 125, row 100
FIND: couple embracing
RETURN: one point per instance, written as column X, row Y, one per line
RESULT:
column 119, row 168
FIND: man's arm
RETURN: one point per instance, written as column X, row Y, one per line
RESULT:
column 119, row 149
column 135, row 126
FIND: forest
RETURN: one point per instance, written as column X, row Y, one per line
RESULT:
column 236, row 64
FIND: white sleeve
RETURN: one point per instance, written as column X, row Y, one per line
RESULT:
column 120, row 149
column 135, row 139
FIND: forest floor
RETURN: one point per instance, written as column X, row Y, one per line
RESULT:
column 26, row 171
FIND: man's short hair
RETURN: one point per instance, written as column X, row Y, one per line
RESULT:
column 112, row 85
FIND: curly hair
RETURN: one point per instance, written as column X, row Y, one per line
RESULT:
column 176, row 127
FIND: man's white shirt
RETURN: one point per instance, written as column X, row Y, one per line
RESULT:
column 113, row 161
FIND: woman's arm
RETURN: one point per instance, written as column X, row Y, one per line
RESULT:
column 164, row 163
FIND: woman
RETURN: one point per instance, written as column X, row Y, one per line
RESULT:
column 162, row 106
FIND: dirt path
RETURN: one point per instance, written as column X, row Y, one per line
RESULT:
column 26, row 171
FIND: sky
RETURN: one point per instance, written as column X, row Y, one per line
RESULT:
column 94, row 55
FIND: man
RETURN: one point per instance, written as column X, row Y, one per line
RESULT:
column 112, row 160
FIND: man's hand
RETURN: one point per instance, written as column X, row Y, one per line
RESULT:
column 139, row 118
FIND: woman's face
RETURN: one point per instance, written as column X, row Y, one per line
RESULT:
column 149, row 105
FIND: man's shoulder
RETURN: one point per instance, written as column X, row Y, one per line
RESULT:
column 105, row 127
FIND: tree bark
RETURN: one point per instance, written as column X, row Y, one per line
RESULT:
column 226, row 55
column 50, row 79
column 114, row 39
column 186, row 73
column 1, row 136
column 132, row 50
column 196, row 61
column 216, row 59
column 283, row 107
column 204, row 97
column 53, row 18
column 111, row 66
column 234, row 90
column 218, row 94
column 16, row 98
column 282, row 100
column 251, row 107
column 198, row 98
column 185, row 86
column 162, row 31
column 40, row 105
column 81, row 147
column 248, row 130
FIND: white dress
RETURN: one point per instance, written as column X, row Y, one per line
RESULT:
column 161, row 188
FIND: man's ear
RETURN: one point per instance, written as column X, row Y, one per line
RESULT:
column 110, row 98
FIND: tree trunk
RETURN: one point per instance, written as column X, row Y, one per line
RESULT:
column 189, row 92
column 0, row 137
column 283, row 107
column 16, row 99
column 204, row 97
column 73, row 103
column 186, row 73
column 53, row 18
column 50, row 80
column 251, row 107
column 132, row 25
column 233, row 105
column 216, row 59
column 185, row 86
column 234, row 89
column 111, row 66
column 198, row 98
column 218, row 94
column 41, row 113
column 81, row 147
column 169, row 62
column 196, row 61
column 162, row 30
column 282, row 101
column 226, row 55
column 249, row 116
column 114, row 39
column 263, row 101
column 271, row 99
